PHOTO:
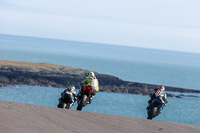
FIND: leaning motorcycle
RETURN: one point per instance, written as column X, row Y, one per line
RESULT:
column 154, row 108
column 84, row 96
column 65, row 101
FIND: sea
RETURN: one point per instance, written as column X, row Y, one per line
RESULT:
column 160, row 67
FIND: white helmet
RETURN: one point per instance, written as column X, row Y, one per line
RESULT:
column 91, row 74
column 162, row 88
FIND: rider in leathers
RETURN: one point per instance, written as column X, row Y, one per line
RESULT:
column 90, row 80
column 71, row 92
column 158, row 93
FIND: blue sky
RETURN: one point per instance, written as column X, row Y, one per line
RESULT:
column 169, row 25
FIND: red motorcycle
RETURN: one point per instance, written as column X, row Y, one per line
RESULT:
column 84, row 97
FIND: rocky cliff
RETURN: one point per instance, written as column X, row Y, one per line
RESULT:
column 50, row 75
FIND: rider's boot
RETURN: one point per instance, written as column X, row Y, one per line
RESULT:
column 90, row 98
column 158, row 112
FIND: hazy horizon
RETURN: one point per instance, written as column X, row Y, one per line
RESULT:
column 99, row 43
column 165, row 25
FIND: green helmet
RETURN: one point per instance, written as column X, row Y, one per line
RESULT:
column 71, row 88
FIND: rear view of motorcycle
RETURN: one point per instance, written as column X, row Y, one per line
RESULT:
column 65, row 101
column 84, row 97
column 154, row 108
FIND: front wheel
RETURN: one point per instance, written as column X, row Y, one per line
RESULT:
column 82, row 102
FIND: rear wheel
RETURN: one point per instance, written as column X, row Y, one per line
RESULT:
column 82, row 102
column 67, row 106
column 152, row 112
column 64, row 105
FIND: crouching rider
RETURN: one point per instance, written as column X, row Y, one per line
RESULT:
column 69, row 95
column 158, row 93
column 90, row 80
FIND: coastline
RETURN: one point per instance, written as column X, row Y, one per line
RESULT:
column 51, row 75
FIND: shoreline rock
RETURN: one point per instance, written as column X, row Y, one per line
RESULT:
column 50, row 75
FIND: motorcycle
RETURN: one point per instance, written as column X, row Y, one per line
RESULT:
column 84, row 97
column 153, row 109
column 65, row 101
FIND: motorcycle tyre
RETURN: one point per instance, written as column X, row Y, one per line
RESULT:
column 82, row 102
column 152, row 112
column 68, row 106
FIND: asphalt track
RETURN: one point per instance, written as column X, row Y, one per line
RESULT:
column 27, row 118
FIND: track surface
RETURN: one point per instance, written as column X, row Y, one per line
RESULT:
column 26, row 118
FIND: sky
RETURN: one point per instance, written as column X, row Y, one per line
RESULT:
column 157, row 24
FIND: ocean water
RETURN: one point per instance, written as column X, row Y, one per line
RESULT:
column 168, row 68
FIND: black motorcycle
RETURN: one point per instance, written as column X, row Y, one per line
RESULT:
column 65, row 101
column 154, row 108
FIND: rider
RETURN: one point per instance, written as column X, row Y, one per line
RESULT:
column 93, row 81
column 158, row 93
column 71, row 93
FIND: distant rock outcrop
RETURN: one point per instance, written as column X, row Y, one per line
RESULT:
column 50, row 75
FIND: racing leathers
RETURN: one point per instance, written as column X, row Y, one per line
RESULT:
column 158, row 94
column 69, row 93
column 92, row 81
